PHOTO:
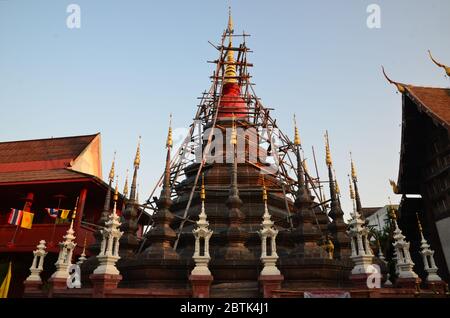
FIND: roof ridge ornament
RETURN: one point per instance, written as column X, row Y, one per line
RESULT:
column 400, row 87
column 445, row 67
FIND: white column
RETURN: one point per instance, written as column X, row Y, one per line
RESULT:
column 38, row 262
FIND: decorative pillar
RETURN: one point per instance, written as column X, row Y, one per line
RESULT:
column 406, row 275
column 428, row 258
column 362, row 254
column 235, row 235
column 129, row 241
column 106, row 276
column 306, row 234
column 201, row 277
column 161, row 236
column 270, row 277
column 59, row 278
column 337, row 227
column 82, row 257
column 34, row 281
column 95, row 247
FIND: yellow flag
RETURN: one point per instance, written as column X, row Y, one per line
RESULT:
column 4, row 288
column 64, row 214
column 27, row 220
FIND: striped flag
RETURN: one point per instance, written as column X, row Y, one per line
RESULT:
column 15, row 217
column 53, row 213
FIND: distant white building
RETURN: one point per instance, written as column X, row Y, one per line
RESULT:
column 377, row 217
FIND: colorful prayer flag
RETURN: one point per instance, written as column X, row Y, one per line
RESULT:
column 15, row 216
column 27, row 220
column 64, row 214
column 53, row 213
column 4, row 288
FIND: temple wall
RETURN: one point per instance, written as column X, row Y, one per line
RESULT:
column 444, row 235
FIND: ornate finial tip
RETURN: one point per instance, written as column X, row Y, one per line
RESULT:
column 264, row 190
column 354, row 176
column 137, row 158
column 400, row 87
column 169, row 141
column 327, row 150
column 203, row 192
column 297, row 140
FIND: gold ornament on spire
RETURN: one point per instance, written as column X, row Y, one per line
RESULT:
column 445, row 67
column 116, row 191
column 400, row 87
column 264, row 190
column 419, row 225
column 354, row 176
column 169, row 141
column 297, row 140
column 125, row 186
column 338, row 191
column 230, row 69
column 203, row 192
column 74, row 214
column 230, row 29
column 233, row 139
column 352, row 192
column 137, row 158
column 111, row 172
column 327, row 150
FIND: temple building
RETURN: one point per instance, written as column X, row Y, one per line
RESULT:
column 39, row 175
column 236, row 213
column 424, row 172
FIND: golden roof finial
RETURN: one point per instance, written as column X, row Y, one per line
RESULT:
column 74, row 214
column 230, row 69
column 354, row 176
column 297, row 140
column 169, row 141
column 116, row 191
column 125, row 186
column 400, row 87
column 230, row 22
column 233, row 139
column 111, row 172
column 137, row 158
column 203, row 192
column 264, row 189
column 419, row 224
column 327, row 149
column 445, row 67
column 338, row 191
column 352, row 192
column 394, row 186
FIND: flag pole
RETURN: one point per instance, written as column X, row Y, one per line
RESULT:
column 51, row 244
column 11, row 243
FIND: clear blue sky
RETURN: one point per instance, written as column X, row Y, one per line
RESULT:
column 133, row 62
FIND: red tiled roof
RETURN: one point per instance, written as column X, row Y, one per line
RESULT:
column 41, row 154
column 43, row 149
column 434, row 101
column 40, row 175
